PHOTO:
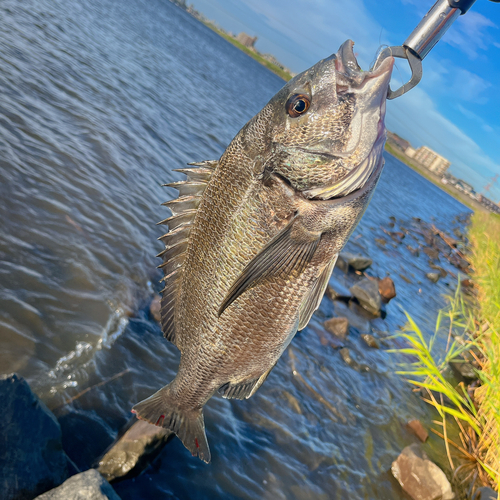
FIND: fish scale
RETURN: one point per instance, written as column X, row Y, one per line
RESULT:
column 250, row 250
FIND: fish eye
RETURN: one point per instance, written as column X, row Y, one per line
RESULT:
column 297, row 105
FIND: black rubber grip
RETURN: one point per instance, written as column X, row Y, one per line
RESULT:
column 463, row 5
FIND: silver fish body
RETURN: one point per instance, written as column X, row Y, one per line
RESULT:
column 255, row 235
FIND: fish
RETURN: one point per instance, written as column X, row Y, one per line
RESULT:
column 254, row 236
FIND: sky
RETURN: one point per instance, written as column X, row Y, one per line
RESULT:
column 455, row 110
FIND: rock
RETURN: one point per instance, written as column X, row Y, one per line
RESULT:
column 460, row 263
column 464, row 369
column 433, row 253
column 355, row 314
column 485, row 493
column 337, row 291
column 366, row 291
column 405, row 278
column 133, row 451
column 414, row 251
column 357, row 262
column 397, row 236
column 370, row 340
column 155, row 307
column 325, row 337
column 381, row 242
column 32, row 459
column 338, row 326
column 442, row 272
column 386, row 289
column 420, row 478
column 467, row 283
column 88, row 485
column 349, row 360
column 434, row 277
column 418, row 429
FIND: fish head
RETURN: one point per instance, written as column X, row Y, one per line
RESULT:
column 328, row 129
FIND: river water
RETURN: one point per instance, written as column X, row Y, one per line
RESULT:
column 98, row 102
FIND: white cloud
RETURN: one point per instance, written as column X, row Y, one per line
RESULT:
column 469, row 33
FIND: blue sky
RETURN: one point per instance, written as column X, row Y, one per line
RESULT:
column 455, row 110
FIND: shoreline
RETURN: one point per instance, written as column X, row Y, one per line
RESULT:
column 253, row 54
column 452, row 191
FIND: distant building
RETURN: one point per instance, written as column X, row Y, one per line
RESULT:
column 430, row 159
column 246, row 40
column 394, row 140
column 409, row 151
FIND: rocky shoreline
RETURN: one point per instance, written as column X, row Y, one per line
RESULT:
column 34, row 464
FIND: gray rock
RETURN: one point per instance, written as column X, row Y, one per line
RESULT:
column 434, row 277
column 420, row 478
column 32, row 459
column 357, row 262
column 355, row 314
column 485, row 493
column 338, row 326
column 88, row 485
column 366, row 291
column 337, row 291
column 133, row 451
column 464, row 369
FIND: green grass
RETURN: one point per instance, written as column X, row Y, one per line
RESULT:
column 476, row 412
column 484, row 234
column 268, row 64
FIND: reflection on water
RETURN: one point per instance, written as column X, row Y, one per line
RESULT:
column 98, row 102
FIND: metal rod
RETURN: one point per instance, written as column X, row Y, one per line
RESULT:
column 432, row 27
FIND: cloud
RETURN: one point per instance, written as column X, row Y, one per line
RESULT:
column 469, row 34
column 473, row 116
column 469, row 86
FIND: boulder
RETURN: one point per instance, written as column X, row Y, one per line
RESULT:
column 133, row 451
column 386, row 289
column 32, row 459
column 366, row 291
column 434, row 277
column 416, row 427
column 420, row 478
column 357, row 262
column 370, row 340
column 154, row 308
column 338, row 326
column 88, row 485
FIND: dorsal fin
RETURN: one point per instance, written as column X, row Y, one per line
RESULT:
column 176, row 239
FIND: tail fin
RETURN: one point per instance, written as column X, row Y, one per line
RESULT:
column 161, row 410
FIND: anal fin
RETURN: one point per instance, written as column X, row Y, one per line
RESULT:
column 245, row 389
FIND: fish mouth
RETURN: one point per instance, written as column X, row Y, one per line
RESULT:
column 375, row 82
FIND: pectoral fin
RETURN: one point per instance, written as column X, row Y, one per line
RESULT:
column 313, row 298
column 288, row 253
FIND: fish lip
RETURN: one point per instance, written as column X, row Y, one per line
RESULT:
column 347, row 62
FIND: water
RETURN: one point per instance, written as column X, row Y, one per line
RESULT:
column 98, row 102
